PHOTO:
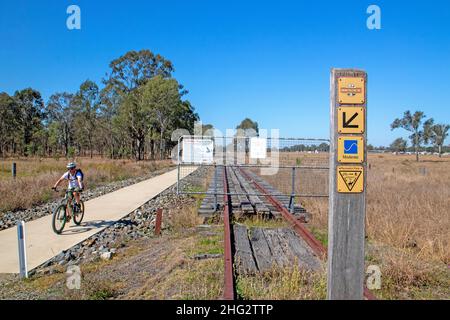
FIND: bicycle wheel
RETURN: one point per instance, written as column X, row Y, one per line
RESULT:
column 59, row 219
column 78, row 217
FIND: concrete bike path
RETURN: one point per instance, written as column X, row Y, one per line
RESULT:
column 43, row 244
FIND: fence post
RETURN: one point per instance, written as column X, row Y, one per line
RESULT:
column 215, row 187
column 292, row 200
column 14, row 170
column 23, row 271
column 178, row 165
column 347, row 200
column 158, row 221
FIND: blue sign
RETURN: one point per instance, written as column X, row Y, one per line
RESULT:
column 350, row 146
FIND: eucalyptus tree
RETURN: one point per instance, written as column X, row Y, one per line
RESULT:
column 162, row 99
column 413, row 123
column 87, row 106
column 135, row 68
column 61, row 112
column 438, row 134
column 30, row 108
column 8, row 122
column 128, row 74
column 398, row 145
column 108, row 110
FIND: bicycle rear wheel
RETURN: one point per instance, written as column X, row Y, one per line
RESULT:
column 59, row 219
column 78, row 217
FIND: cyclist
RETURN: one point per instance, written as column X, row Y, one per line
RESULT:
column 75, row 177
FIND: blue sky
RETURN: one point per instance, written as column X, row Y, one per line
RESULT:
column 269, row 61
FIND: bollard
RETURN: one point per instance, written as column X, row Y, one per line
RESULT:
column 14, row 170
column 23, row 272
column 292, row 199
column 158, row 221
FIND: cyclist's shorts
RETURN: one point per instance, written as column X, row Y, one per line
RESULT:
column 73, row 185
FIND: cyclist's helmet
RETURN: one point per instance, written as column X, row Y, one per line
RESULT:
column 71, row 165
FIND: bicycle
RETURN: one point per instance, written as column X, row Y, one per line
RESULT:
column 67, row 208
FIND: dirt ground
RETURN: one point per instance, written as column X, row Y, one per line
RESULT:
column 155, row 268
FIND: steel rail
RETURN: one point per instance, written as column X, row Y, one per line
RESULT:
column 228, row 255
column 315, row 245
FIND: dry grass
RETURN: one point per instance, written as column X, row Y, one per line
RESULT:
column 408, row 211
column 404, row 276
column 181, row 220
column 408, row 202
column 282, row 284
column 409, row 208
column 35, row 177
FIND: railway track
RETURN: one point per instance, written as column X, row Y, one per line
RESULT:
column 247, row 194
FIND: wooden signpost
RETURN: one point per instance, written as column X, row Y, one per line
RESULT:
column 347, row 194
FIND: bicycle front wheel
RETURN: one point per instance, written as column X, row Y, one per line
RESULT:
column 78, row 217
column 59, row 219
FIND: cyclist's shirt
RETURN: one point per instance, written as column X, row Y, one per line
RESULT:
column 73, row 179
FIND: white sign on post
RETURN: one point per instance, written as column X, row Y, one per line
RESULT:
column 197, row 150
column 258, row 148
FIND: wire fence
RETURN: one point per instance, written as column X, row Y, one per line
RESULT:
column 295, row 167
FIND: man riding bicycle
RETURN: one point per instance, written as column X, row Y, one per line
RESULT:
column 75, row 177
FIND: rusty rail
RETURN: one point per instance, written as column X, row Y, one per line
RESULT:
column 228, row 255
column 315, row 244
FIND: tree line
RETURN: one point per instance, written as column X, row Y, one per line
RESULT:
column 422, row 132
column 131, row 116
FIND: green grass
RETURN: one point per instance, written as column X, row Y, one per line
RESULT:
column 258, row 222
column 208, row 245
column 320, row 235
column 102, row 294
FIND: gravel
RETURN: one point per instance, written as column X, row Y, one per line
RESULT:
column 138, row 224
column 9, row 219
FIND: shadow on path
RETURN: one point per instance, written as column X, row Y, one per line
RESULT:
column 87, row 226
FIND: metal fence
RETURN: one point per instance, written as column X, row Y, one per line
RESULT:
column 294, row 167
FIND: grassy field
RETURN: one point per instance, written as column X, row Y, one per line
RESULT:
column 407, row 223
column 161, row 267
column 407, row 227
column 35, row 177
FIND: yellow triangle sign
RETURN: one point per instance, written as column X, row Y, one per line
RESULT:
column 350, row 179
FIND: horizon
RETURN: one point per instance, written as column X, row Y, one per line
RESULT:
column 250, row 60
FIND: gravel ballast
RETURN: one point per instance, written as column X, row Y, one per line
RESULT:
column 138, row 224
column 10, row 218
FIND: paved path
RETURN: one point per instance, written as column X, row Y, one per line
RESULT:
column 42, row 244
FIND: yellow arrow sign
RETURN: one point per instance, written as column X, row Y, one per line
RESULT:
column 351, row 120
